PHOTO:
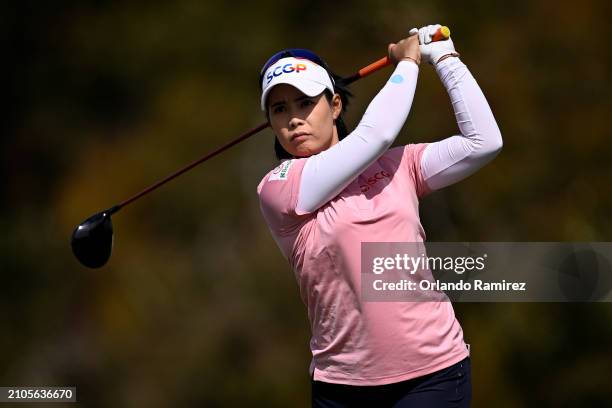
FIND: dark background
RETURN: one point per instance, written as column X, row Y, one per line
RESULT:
column 197, row 305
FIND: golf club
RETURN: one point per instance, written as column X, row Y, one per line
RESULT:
column 92, row 239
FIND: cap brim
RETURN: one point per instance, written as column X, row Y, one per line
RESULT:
column 307, row 87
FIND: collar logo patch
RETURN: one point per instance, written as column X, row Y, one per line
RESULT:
column 282, row 171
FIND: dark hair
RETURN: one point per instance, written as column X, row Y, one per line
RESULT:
column 344, row 93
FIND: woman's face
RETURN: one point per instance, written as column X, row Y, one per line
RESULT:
column 304, row 125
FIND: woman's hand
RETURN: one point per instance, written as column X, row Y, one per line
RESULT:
column 435, row 51
column 406, row 49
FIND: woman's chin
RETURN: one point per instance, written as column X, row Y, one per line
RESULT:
column 306, row 149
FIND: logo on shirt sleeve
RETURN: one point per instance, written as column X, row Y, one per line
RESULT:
column 281, row 172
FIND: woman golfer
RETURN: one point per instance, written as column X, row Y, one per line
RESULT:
column 334, row 190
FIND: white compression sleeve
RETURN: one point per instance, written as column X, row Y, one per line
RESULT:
column 455, row 158
column 329, row 172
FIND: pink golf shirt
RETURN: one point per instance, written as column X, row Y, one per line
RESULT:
column 356, row 342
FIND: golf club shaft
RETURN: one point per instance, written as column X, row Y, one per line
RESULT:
column 190, row 166
column 441, row 34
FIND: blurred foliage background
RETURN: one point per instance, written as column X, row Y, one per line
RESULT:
column 197, row 307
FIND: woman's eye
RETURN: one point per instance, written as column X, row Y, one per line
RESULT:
column 278, row 109
column 307, row 102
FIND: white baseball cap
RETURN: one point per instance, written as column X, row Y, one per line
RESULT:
column 305, row 75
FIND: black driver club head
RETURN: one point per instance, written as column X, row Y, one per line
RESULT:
column 92, row 240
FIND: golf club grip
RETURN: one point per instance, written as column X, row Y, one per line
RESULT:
column 441, row 33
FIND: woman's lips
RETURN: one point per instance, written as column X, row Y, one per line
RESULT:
column 299, row 137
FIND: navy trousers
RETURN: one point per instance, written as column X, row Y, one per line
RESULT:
column 449, row 387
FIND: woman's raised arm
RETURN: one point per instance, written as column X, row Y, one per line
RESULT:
column 455, row 158
column 329, row 172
